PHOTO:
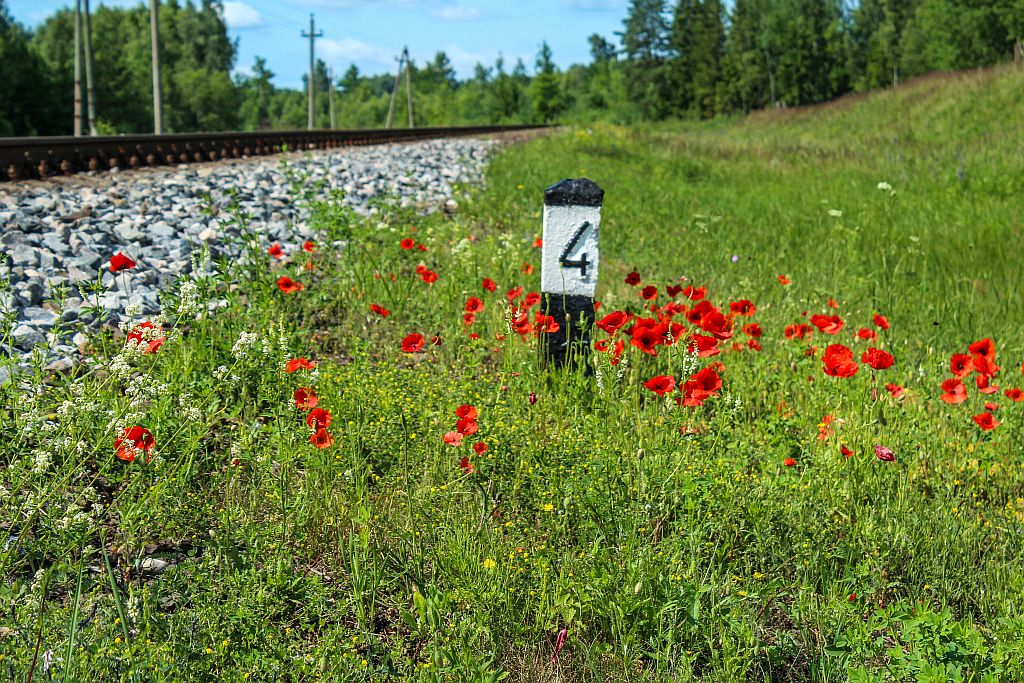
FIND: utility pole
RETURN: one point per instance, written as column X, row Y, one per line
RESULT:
column 408, row 82
column 78, row 68
column 312, row 35
column 330, row 96
column 154, row 46
column 394, row 91
column 90, row 92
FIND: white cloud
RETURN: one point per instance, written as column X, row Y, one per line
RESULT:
column 596, row 5
column 456, row 13
column 352, row 50
column 240, row 15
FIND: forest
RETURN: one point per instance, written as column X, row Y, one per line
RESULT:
column 693, row 59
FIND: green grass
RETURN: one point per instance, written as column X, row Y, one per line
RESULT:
column 672, row 542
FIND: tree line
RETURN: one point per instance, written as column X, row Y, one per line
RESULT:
column 687, row 59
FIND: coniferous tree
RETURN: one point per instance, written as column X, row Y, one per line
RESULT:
column 645, row 45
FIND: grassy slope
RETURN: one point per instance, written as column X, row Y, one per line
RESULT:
column 668, row 555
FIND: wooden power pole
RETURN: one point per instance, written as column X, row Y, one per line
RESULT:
column 330, row 97
column 78, row 68
column 394, row 91
column 89, row 90
column 154, row 46
column 312, row 35
column 408, row 83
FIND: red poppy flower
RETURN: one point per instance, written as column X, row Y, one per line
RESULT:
column 983, row 384
column 832, row 303
column 119, row 262
column 838, row 361
column 961, row 364
column 297, row 363
column 514, row 293
column 619, row 347
column 453, row 438
column 305, row 399
column 705, row 346
column 829, row 324
column 649, row 292
column 474, row 305
column 309, row 247
column 754, row 344
column 134, row 441
column 798, row 331
column 288, row 285
column 480, row 448
column 895, row 390
column 468, row 318
column 145, row 333
column 538, row 243
column 867, row 333
column 429, row 276
column 742, row 307
column 752, row 330
column 465, row 465
column 275, row 250
column 527, row 268
column 321, row 438
column 984, row 365
column 531, row 299
column 985, row 348
column 380, row 310
column 421, row 247
column 989, row 405
column 407, row 243
column 692, row 293
column 466, row 412
column 435, row 340
column 783, row 280
column 646, row 339
column 545, row 324
column 318, row 418
column 413, row 343
column 845, row 451
column 789, row 462
column 881, row 321
column 986, row 421
column 489, row 284
column 633, row 279
column 467, row 426
column 954, row 391
column 884, row 454
column 716, row 324
column 661, row 385
column 701, row 386
column 673, row 290
column 310, row 266
column 612, row 322
column 420, row 269
column 877, row 358
column 1015, row 395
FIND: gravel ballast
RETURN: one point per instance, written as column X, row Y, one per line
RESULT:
column 64, row 232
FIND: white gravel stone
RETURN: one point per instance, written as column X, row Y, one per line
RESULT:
column 65, row 231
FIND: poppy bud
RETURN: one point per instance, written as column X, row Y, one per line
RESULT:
column 533, row 398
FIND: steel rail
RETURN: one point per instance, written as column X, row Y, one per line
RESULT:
column 43, row 157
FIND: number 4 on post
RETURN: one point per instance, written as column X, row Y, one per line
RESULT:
column 581, row 263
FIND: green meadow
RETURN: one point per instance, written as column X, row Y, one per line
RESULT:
column 579, row 527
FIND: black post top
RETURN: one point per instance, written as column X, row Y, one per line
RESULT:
column 574, row 192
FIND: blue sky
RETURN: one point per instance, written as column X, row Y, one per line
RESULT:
column 371, row 33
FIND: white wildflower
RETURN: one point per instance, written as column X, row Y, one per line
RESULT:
column 835, row 213
column 188, row 299
column 884, row 186
column 133, row 310
column 246, row 342
column 40, row 461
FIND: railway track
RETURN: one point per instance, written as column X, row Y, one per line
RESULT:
column 44, row 157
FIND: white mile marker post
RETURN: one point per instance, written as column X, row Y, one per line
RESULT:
column 569, row 260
